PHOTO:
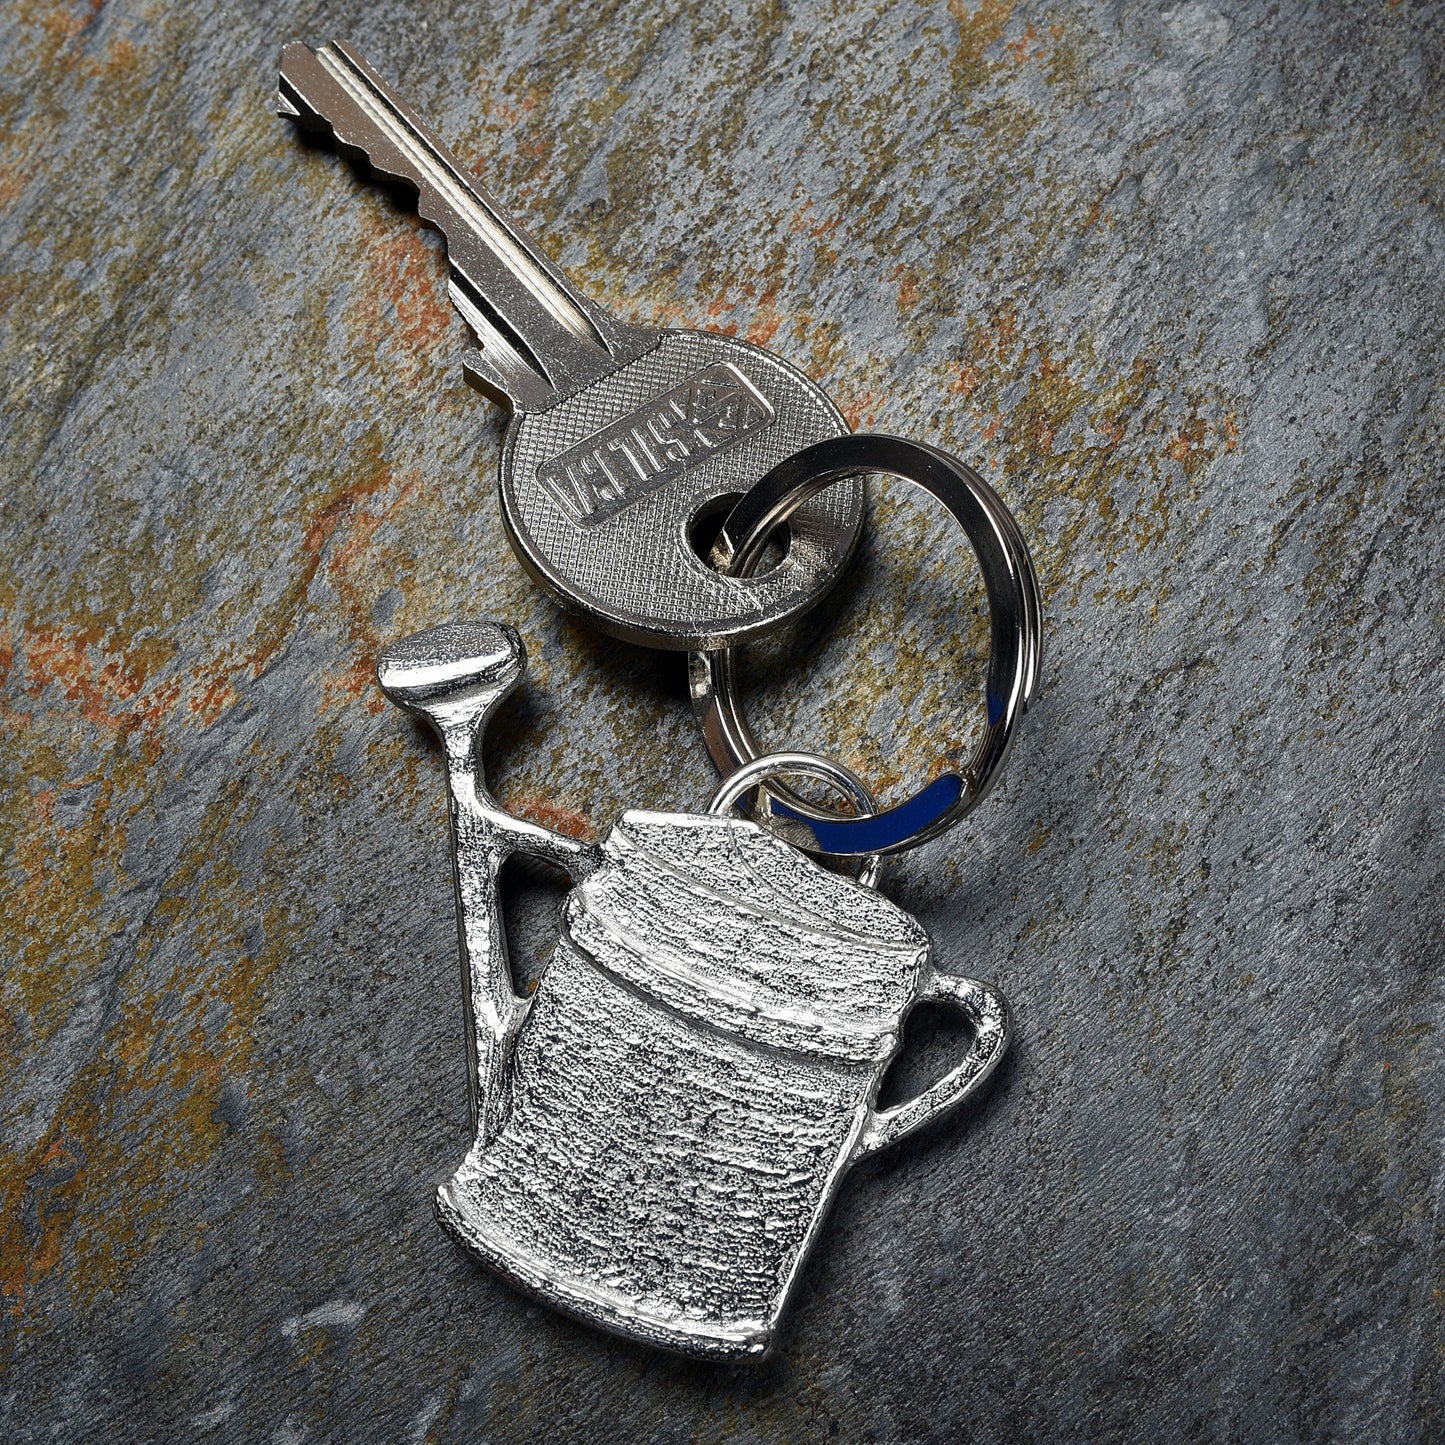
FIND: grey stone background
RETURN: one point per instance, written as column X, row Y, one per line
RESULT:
column 1171, row 276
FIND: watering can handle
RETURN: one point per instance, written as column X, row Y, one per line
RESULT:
column 987, row 1010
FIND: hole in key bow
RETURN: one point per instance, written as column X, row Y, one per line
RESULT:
column 706, row 523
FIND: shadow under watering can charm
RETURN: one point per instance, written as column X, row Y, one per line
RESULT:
column 661, row 1127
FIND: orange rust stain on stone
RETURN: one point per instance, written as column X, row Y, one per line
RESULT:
column 374, row 475
column 59, row 876
column 50, row 30
column 767, row 318
column 1188, row 441
column 358, row 577
column 761, row 332
column 550, row 815
column 100, row 682
column 718, row 307
column 965, row 380
column 1199, row 440
column 68, row 23
column 978, row 29
column 861, row 412
column 140, row 1115
column 402, row 276
column 12, row 186
column 821, row 232
column 1097, row 450
column 764, row 319
column 801, row 222
column 63, row 30
column 506, row 116
column 908, row 292
column 120, row 55
column 53, row 1184
column 1029, row 46
column 213, row 700
column 124, row 687
column 999, row 337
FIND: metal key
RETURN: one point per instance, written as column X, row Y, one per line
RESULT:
column 623, row 438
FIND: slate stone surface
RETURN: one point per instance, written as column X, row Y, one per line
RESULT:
column 1171, row 276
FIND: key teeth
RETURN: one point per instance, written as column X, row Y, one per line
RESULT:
column 291, row 102
column 541, row 338
column 294, row 106
column 487, row 379
column 301, row 69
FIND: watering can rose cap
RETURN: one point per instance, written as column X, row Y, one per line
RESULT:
column 452, row 658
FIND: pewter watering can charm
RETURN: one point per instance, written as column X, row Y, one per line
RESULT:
column 661, row 1127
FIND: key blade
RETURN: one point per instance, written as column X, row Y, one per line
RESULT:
column 541, row 338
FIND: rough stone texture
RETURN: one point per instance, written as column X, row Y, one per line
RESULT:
column 1172, row 276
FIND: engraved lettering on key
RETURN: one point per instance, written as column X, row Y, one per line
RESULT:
column 703, row 417
column 685, row 417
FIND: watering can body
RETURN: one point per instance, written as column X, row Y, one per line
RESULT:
column 698, row 1068
column 661, row 1126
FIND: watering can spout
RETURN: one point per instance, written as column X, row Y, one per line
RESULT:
column 456, row 676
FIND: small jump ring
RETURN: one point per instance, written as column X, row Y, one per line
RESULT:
column 1015, row 626
column 751, row 775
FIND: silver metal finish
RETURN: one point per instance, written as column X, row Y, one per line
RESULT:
column 662, row 1126
column 456, row 676
column 748, row 778
column 622, row 436
column 1016, row 632
column 540, row 337
column 694, row 405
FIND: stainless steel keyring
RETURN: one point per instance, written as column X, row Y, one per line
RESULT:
column 751, row 776
column 1015, row 627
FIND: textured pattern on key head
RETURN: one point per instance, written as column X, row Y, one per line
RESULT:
column 635, row 572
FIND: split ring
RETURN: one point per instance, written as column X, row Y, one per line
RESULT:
column 1015, row 629
column 753, row 774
